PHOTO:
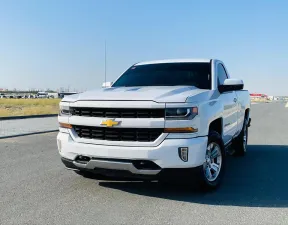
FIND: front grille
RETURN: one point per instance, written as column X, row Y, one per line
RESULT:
column 118, row 113
column 118, row 134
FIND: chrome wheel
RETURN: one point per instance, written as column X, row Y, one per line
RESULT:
column 213, row 162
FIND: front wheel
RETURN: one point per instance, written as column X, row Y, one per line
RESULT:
column 212, row 171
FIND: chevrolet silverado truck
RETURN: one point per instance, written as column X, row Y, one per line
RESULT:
column 159, row 120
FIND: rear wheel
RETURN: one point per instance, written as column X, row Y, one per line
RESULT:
column 240, row 143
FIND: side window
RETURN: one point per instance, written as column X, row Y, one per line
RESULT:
column 221, row 74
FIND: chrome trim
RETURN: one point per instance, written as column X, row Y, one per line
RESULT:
column 155, row 143
column 105, row 164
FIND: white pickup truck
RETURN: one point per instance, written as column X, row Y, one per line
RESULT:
column 160, row 120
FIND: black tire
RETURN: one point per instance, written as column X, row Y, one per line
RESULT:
column 238, row 144
column 204, row 183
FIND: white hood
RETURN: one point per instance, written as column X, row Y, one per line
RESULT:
column 157, row 94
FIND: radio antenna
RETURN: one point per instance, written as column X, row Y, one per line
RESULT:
column 105, row 63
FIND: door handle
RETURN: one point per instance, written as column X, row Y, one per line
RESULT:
column 235, row 99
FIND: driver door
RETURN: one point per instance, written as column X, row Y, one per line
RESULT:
column 230, row 112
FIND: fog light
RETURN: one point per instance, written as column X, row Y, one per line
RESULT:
column 183, row 153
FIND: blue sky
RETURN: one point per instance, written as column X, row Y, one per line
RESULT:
column 60, row 43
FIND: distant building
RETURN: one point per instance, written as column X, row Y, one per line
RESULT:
column 258, row 96
column 53, row 95
column 42, row 94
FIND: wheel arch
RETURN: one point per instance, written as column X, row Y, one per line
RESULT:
column 216, row 125
column 247, row 113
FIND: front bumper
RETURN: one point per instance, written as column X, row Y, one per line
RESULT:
column 121, row 158
column 168, row 174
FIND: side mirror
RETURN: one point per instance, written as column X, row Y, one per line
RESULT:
column 107, row 84
column 231, row 85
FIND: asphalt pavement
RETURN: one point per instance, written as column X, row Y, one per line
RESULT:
column 27, row 126
column 36, row 189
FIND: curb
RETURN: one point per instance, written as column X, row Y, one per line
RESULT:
column 26, row 134
column 27, row 117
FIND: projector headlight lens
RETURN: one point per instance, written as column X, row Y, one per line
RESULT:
column 64, row 110
column 181, row 113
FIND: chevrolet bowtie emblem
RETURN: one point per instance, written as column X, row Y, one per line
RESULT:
column 109, row 123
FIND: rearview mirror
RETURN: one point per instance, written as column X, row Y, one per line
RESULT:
column 107, row 84
column 231, row 85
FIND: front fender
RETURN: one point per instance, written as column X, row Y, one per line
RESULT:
column 209, row 111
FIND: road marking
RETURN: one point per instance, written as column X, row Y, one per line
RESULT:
column 286, row 106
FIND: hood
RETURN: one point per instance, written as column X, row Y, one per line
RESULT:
column 157, row 94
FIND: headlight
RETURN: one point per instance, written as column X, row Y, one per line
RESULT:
column 181, row 113
column 64, row 110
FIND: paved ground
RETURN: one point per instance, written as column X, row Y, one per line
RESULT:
column 36, row 189
column 24, row 126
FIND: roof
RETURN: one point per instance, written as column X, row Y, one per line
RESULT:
column 172, row 61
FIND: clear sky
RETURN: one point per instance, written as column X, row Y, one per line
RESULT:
column 60, row 43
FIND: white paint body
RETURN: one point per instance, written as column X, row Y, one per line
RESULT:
column 229, row 106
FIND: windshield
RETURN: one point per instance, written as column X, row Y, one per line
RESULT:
column 167, row 74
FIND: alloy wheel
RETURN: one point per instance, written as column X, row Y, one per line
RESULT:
column 213, row 161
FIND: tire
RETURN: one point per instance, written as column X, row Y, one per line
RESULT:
column 213, row 180
column 240, row 143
